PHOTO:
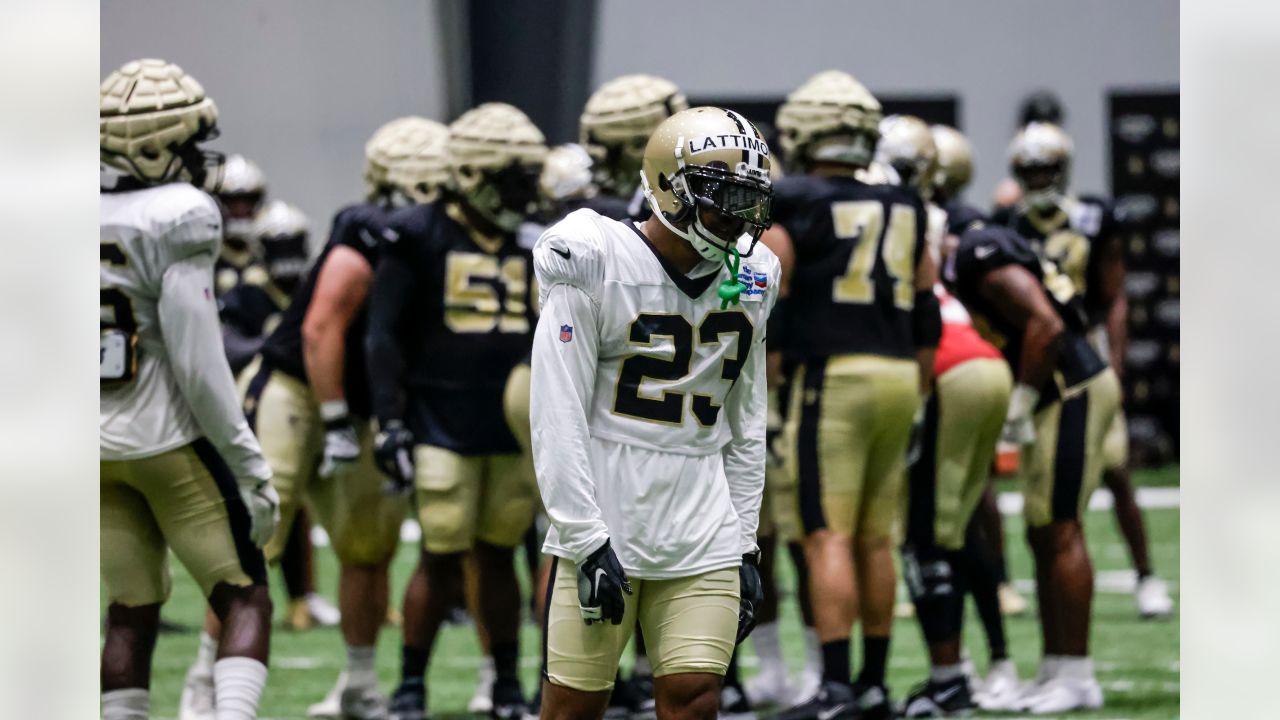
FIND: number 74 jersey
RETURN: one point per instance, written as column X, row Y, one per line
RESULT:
column 856, row 251
column 666, row 354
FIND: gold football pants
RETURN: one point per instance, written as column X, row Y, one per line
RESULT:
column 847, row 430
column 689, row 625
column 185, row 499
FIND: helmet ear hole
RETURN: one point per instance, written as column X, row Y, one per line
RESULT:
column 663, row 184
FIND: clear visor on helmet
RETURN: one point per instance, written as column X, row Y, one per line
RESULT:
column 744, row 200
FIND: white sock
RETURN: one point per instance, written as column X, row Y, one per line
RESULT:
column 812, row 652
column 768, row 649
column 1049, row 666
column 1075, row 667
column 487, row 671
column 945, row 673
column 237, row 687
column 126, row 704
column 206, row 655
column 360, row 672
column 642, row 666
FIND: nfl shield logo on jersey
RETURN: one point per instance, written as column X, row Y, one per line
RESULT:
column 566, row 333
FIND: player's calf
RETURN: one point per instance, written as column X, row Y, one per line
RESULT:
column 240, row 673
column 130, row 642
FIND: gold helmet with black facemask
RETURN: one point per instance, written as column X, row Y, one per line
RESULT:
column 1040, row 160
column 955, row 162
column 906, row 145
column 709, row 159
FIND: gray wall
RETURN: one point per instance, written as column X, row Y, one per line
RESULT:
column 300, row 84
column 991, row 53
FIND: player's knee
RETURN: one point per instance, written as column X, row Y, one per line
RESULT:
column 253, row 599
column 871, row 540
column 694, row 696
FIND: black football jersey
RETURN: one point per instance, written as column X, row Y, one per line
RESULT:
column 987, row 248
column 962, row 216
column 856, row 251
column 1070, row 236
column 355, row 226
column 467, row 320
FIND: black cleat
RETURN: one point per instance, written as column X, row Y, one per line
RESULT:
column 409, row 702
column 834, row 701
column 873, row 701
column 939, row 699
column 508, row 700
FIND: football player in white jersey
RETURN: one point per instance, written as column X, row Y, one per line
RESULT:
column 180, row 468
column 648, row 408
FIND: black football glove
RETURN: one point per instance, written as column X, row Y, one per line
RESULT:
column 393, row 452
column 751, row 594
column 601, row 583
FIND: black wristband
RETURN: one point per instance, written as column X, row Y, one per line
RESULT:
column 926, row 320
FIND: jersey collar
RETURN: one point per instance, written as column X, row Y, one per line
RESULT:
column 694, row 287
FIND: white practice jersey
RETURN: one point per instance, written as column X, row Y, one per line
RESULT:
column 165, row 379
column 648, row 401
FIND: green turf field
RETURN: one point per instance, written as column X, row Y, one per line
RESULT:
column 1137, row 660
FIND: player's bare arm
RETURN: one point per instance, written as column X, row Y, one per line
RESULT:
column 926, row 319
column 340, row 291
column 1112, row 294
column 1019, row 296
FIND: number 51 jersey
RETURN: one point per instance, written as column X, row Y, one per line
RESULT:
column 667, row 464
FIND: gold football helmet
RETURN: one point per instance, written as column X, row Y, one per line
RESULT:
column 955, row 162
column 496, row 154
column 830, row 118
column 616, row 124
column 906, row 145
column 1040, row 160
column 708, row 159
column 151, row 118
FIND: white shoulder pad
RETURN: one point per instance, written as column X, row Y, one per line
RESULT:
column 571, row 252
column 185, row 222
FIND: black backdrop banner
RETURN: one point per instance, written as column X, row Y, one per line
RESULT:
column 1144, row 135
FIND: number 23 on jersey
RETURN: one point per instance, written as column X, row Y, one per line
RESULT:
column 668, row 406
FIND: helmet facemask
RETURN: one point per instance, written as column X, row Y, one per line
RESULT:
column 286, row 259
column 714, row 189
column 503, row 197
column 1043, row 184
